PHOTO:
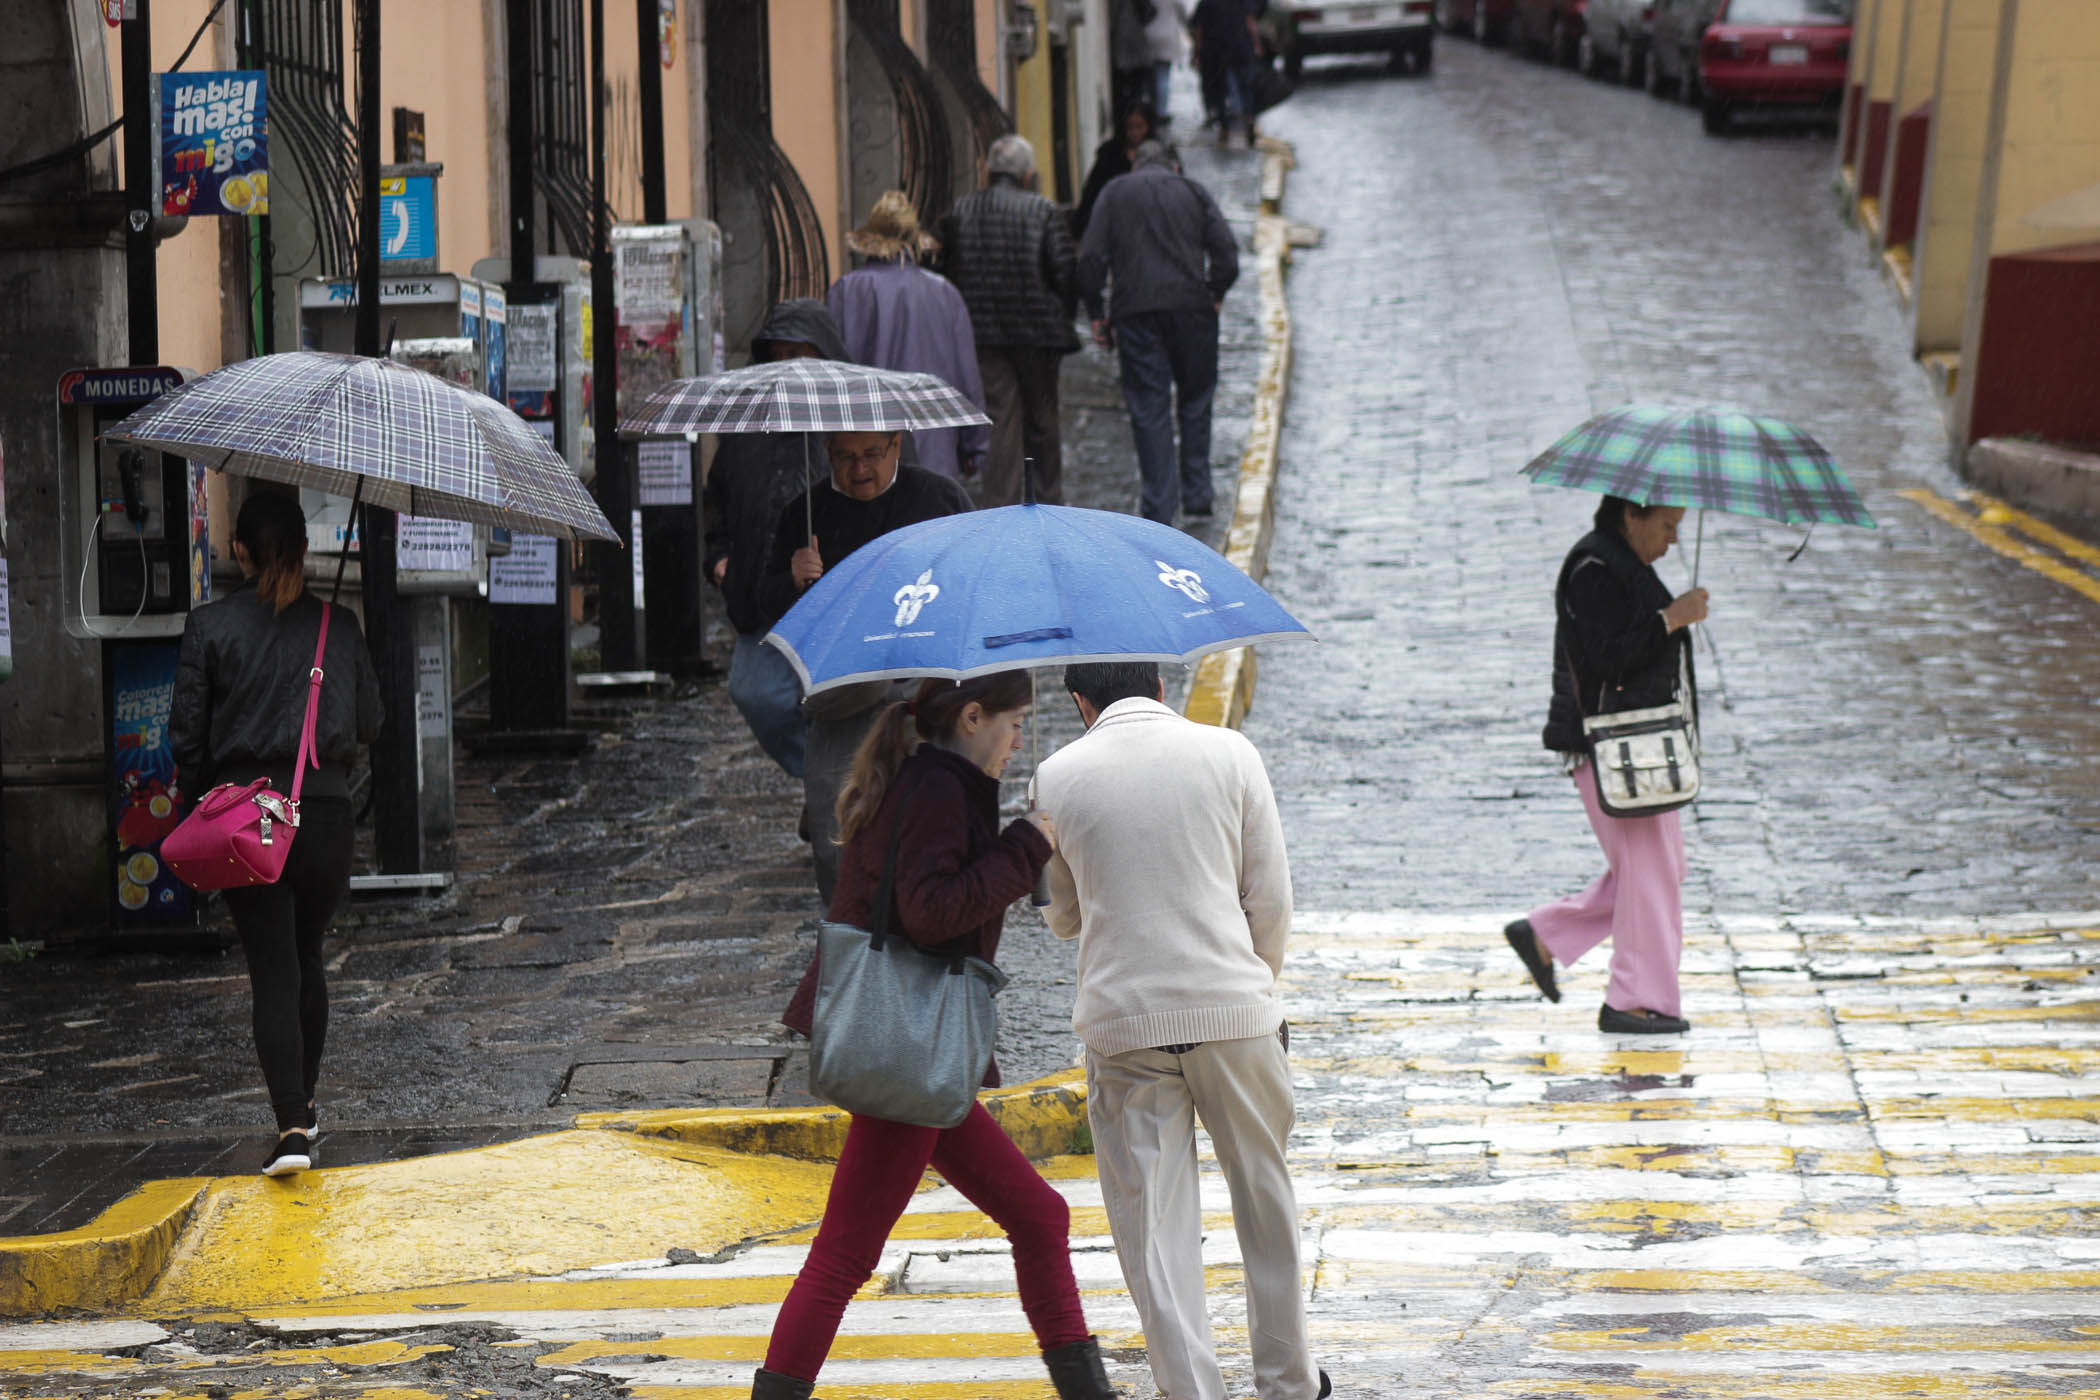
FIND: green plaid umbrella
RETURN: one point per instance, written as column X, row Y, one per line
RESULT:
column 1705, row 459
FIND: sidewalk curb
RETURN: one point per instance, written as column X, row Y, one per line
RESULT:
column 126, row 1251
column 113, row 1260
column 1223, row 687
column 1045, row 1118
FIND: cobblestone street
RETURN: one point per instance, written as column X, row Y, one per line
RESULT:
column 1872, row 1169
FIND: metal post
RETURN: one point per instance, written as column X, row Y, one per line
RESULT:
column 141, row 197
column 647, row 21
column 397, row 818
column 617, row 639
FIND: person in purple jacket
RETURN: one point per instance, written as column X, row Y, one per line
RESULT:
column 897, row 315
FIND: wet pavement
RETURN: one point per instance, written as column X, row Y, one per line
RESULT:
column 625, row 929
column 1872, row 1170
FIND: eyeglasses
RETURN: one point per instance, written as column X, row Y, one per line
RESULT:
column 873, row 456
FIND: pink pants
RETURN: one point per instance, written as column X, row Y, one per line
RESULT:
column 879, row 1169
column 1637, row 903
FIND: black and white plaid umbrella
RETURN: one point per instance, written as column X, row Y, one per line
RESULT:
column 406, row 440
column 802, row 396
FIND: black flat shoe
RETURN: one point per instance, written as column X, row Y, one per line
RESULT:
column 1616, row 1022
column 1526, row 942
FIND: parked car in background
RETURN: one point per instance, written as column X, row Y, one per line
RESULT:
column 1404, row 29
column 1615, row 39
column 1485, row 20
column 1549, row 27
column 1673, row 47
column 1773, row 53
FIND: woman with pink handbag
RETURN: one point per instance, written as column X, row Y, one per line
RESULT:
column 243, row 687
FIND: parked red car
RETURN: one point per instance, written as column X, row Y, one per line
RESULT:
column 1549, row 27
column 1773, row 52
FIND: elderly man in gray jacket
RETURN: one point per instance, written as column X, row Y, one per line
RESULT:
column 1170, row 871
column 1009, row 252
column 1159, row 240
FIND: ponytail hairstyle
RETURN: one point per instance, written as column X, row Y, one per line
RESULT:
column 898, row 731
column 272, row 528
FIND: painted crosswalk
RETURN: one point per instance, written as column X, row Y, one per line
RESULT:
column 1872, row 1170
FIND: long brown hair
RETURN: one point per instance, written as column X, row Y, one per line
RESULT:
column 273, row 530
column 897, row 733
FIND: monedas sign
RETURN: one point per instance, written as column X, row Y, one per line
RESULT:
column 214, row 144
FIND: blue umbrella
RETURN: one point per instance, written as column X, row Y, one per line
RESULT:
column 1023, row 586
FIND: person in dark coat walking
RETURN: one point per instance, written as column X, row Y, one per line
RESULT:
column 1620, row 642
column 241, row 683
column 1008, row 251
column 752, row 477
column 866, row 495
column 1159, row 238
column 1227, row 45
column 1112, row 158
column 928, row 772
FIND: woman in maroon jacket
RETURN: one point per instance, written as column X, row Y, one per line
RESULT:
column 933, row 763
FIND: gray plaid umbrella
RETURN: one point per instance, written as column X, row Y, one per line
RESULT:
column 400, row 438
column 802, row 396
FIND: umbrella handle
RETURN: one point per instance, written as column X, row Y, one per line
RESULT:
column 809, row 494
column 350, row 532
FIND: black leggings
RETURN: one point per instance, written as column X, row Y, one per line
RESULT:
column 281, row 928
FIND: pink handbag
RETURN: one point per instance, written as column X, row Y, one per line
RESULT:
column 241, row 833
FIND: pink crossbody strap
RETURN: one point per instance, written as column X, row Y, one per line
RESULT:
column 313, row 710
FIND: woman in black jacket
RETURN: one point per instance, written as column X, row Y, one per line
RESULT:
column 1112, row 158
column 241, row 685
column 1620, row 642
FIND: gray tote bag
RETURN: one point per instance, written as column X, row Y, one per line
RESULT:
column 899, row 1033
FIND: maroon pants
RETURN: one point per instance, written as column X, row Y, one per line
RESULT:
column 878, row 1171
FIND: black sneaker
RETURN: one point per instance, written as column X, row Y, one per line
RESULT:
column 294, row 1153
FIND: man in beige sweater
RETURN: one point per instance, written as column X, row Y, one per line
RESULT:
column 1170, row 871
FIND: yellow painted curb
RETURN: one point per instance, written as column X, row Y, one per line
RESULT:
column 98, row 1266
column 1223, row 687
column 1045, row 1118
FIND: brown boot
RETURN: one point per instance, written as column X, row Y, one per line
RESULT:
column 1077, row 1372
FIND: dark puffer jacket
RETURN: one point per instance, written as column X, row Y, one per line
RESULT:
column 241, row 682
column 1611, row 646
column 755, row 474
column 1010, row 254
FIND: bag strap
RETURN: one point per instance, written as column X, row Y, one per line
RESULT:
column 313, row 709
column 886, row 892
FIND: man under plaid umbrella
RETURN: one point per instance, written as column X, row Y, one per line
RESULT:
column 867, row 495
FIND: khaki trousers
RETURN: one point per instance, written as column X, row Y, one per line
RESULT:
column 1143, row 1107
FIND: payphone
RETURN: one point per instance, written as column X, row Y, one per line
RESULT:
column 135, row 558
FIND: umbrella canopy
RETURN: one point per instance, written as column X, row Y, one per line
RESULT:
column 348, row 424
column 1028, row 585
column 802, row 396
column 1704, row 458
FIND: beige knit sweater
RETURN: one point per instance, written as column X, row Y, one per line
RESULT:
column 1170, row 871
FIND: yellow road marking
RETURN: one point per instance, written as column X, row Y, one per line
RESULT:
column 1992, row 526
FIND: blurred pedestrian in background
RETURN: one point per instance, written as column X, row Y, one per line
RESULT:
column 927, row 775
column 1227, row 46
column 1008, row 251
column 1130, row 52
column 1113, row 157
column 1620, row 642
column 895, row 314
column 865, row 495
column 1163, row 36
column 752, row 477
column 1170, row 870
column 1162, row 248
column 241, row 687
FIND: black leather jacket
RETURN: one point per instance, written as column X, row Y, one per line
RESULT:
column 1610, row 644
column 240, row 695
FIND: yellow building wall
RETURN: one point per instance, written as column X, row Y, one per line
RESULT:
column 1961, row 121
column 2044, row 145
column 192, row 311
column 1856, row 70
column 1887, row 57
column 991, row 48
column 1917, row 71
column 805, row 47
